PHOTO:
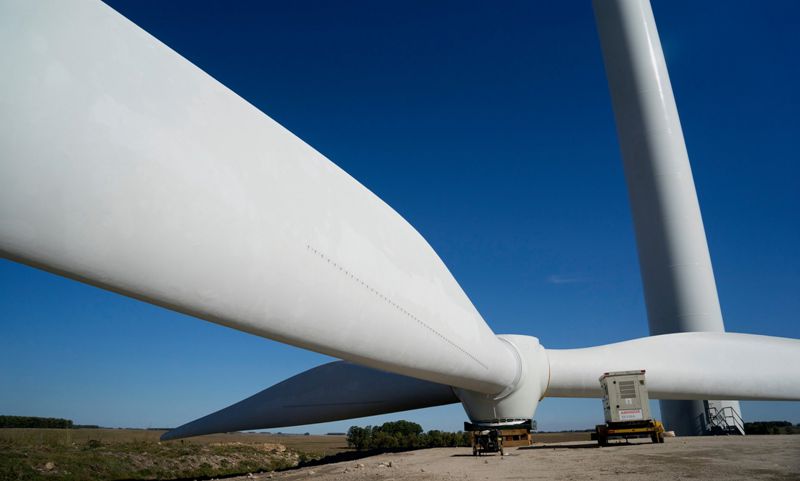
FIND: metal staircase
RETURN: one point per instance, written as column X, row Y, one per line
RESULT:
column 722, row 419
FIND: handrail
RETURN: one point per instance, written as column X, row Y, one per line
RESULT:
column 721, row 416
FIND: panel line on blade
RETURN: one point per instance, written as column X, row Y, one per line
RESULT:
column 313, row 405
column 400, row 308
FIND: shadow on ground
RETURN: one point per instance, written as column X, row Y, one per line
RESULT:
column 618, row 444
column 561, row 446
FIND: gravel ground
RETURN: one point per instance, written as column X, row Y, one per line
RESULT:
column 729, row 458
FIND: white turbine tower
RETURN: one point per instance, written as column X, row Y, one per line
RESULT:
column 126, row 167
column 679, row 287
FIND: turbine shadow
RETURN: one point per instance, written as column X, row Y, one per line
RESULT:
column 470, row 455
column 562, row 446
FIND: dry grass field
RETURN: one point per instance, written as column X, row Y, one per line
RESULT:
column 308, row 444
column 78, row 454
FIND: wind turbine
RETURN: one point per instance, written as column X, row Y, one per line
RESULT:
column 126, row 167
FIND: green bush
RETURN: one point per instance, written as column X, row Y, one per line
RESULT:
column 402, row 435
column 771, row 427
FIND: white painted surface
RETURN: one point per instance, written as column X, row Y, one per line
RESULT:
column 692, row 365
column 127, row 167
column 678, row 280
column 520, row 402
column 330, row 392
column 676, row 268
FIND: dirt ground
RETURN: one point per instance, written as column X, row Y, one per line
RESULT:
column 729, row 458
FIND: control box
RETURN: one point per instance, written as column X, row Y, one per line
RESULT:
column 625, row 396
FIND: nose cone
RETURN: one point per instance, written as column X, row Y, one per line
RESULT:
column 519, row 401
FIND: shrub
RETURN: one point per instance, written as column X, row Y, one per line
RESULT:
column 402, row 435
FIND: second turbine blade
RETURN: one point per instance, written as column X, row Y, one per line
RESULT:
column 334, row 391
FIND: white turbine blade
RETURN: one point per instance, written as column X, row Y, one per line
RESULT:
column 125, row 166
column 692, row 365
column 334, row 391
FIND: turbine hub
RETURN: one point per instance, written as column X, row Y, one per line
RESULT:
column 518, row 402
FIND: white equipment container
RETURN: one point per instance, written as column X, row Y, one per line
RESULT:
column 625, row 396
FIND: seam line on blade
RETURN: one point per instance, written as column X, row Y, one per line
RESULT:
column 393, row 304
column 313, row 405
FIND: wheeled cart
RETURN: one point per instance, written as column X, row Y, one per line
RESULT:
column 628, row 430
column 487, row 441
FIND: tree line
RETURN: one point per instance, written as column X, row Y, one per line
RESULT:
column 34, row 422
column 402, row 435
column 771, row 427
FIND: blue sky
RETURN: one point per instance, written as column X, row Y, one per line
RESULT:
column 489, row 127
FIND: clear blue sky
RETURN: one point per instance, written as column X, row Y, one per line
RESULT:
column 488, row 126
